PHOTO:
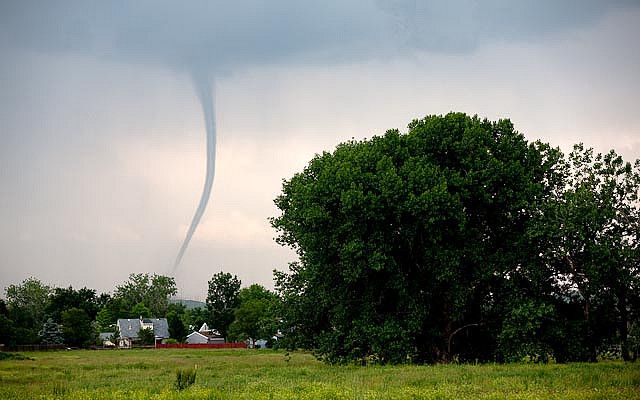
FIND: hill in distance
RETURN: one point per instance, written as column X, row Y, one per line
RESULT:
column 189, row 304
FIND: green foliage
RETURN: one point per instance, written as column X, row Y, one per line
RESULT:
column 147, row 337
column 59, row 389
column 77, row 328
column 152, row 290
column 62, row 299
column 51, row 333
column 255, row 317
column 185, row 378
column 115, row 337
column 589, row 240
column 459, row 240
column 4, row 310
column 7, row 331
column 106, row 320
column 222, row 300
column 403, row 239
column 526, row 332
column 26, row 305
column 140, row 310
column 177, row 328
column 114, row 308
column 7, row 327
column 13, row 356
column 634, row 340
column 195, row 317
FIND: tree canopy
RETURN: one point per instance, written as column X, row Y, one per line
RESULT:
column 62, row 299
column 152, row 291
column 255, row 316
column 77, row 328
column 26, row 307
column 222, row 300
column 441, row 244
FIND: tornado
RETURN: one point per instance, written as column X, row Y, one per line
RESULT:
column 204, row 85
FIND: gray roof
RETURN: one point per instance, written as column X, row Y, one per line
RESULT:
column 197, row 333
column 129, row 327
column 160, row 327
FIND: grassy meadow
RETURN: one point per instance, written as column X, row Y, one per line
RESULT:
column 256, row 374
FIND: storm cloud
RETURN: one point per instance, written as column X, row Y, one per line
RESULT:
column 225, row 36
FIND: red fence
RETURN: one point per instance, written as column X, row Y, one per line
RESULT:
column 238, row 345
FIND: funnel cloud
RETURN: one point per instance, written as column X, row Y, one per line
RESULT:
column 204, row 85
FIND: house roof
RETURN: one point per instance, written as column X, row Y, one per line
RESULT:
column 205, row 330
column 129, row 328
column 197, row 333
column 160, row 327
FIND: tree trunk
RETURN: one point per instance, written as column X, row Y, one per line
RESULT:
column 454, row 333
column 623, row 328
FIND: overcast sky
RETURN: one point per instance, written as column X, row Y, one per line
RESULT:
column 102, row 142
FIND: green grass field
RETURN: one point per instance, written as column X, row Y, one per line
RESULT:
column 251, row 374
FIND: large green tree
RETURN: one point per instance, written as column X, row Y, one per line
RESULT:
column 77, row 328
column 7, row 331
column 591, row 254
column 255, row 316
column 222, row 300
column 406, row 241
column 63, row 299
column 195, row 317
column 177, row 328
column 27, row 304
column 7, row 327
column 114, row 307
column 153, row 291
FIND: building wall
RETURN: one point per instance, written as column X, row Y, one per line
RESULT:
column 216, row 340
column 196, row 339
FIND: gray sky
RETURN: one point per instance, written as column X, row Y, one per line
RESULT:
column 102, row 139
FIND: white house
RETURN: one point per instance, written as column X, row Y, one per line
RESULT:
column 197, row 338
column 204, row 336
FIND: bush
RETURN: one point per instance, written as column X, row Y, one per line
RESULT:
column 185, row 378
column 13, row 356
column 147, row 337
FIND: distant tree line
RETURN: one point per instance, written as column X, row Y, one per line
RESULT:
column 461, row 241
column 35, row 313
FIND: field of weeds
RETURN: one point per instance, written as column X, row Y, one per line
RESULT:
column 263, row 374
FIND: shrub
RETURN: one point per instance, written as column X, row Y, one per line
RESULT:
column 13, row 356
column 185, row 378
column 147, row 337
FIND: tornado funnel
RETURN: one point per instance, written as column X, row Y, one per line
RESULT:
column 204, row 85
